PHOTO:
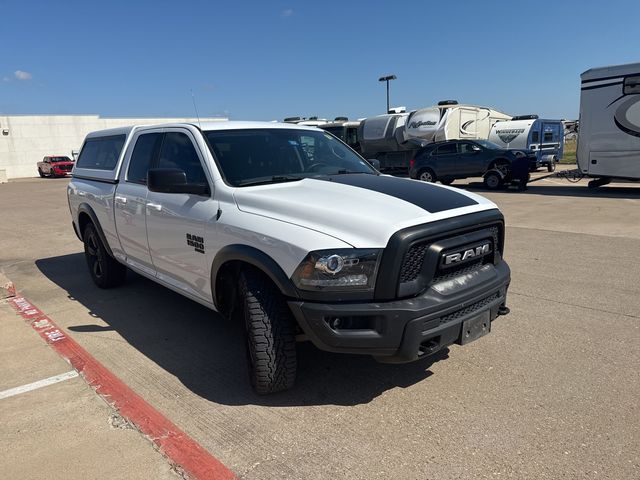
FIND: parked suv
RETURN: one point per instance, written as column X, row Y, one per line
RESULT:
column 454, row 159
column 55, row 166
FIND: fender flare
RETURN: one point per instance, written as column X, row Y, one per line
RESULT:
column 86, row 208
column 258, row 259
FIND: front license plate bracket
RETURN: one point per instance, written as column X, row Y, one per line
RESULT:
column 475, row 327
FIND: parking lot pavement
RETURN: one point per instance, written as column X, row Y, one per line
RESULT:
column 550, row 393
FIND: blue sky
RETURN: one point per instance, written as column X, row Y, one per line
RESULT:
column 265, row 60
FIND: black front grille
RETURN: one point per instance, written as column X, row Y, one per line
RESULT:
column 412, row 263
column 456, row 271
column 412, row 268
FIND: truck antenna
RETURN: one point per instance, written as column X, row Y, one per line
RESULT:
column 193, row 97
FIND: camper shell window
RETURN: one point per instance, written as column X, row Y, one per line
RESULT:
column 632, row 85
column 548, row 137
column 101, row 153
column 535, row 137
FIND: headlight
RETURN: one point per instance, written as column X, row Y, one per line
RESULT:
column 341, row 269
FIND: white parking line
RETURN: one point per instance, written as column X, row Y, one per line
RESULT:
column 39, row 384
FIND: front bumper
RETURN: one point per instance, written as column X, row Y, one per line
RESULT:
column 404, row 330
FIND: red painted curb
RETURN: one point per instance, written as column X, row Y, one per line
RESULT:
column 172, row 442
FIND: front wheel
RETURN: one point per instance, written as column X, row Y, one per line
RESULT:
column 40, row 172
column 270, row 334
column 105, row 271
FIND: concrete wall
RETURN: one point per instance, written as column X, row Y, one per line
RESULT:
column 25, row 139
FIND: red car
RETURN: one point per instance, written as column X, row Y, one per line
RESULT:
column 55, row 166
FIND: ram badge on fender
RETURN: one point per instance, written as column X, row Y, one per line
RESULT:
column 285, row 228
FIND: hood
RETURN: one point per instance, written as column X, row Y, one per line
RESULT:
column 360, row 209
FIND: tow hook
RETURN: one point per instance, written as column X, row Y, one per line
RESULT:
column 503, row 310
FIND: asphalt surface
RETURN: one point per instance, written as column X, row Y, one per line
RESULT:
column 551, row 393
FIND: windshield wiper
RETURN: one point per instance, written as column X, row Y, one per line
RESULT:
column 268, row 180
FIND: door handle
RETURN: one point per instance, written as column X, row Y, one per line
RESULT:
column 155, row 206
column 119, row 199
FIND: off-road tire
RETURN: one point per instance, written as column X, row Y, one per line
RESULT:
column 105, row 271
column 270, row 334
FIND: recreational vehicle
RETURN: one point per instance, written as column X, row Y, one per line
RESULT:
column 345, row 130
column 394, row 138
column 609, row 134
column 528, row 132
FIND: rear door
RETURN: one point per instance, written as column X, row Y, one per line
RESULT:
column 131, row 199
column 470, row 159
column 446, row 160
column 176, row 222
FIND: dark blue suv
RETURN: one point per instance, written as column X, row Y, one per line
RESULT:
column 454, row 159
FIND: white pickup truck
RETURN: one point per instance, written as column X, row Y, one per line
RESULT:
column 287, row 229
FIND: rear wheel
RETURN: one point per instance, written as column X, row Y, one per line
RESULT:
column 427, row 175
column 551, row 166
column 270, row 334
column 105, row 271
column 492, row 180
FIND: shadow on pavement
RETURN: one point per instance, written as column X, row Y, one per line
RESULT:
column 206, row 352
column 558, row 190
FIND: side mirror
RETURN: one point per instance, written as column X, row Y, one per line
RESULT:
column 173, row 180
column 374, row 162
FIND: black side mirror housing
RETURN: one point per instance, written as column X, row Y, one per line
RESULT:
column 173, row 180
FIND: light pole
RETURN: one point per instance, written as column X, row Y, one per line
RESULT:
column 386, row 79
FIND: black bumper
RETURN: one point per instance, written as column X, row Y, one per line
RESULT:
column 404, row 330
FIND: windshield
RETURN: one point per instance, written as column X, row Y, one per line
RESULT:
column 489, row 145
column 270, row 155
column 60, row 159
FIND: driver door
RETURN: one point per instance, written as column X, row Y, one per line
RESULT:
column 177, row 223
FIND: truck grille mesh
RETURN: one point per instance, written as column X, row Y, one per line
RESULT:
column 412, row 263
column 415, row 255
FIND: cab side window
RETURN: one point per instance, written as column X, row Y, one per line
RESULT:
column 145, row 150
column 178, row 152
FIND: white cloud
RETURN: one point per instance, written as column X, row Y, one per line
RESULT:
column 22, row 75
column 287, row 12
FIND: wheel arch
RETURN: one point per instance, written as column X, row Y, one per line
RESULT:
column 87, row 215
column 232, row 257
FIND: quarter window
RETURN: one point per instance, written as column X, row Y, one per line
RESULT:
column 144, row 152
column 178, row 152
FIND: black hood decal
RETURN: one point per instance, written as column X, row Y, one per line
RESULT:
column 427, row 196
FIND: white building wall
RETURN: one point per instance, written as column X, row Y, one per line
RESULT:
column 26, row 139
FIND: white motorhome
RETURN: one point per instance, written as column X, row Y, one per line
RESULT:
column 609, row 134
column 528, row 132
